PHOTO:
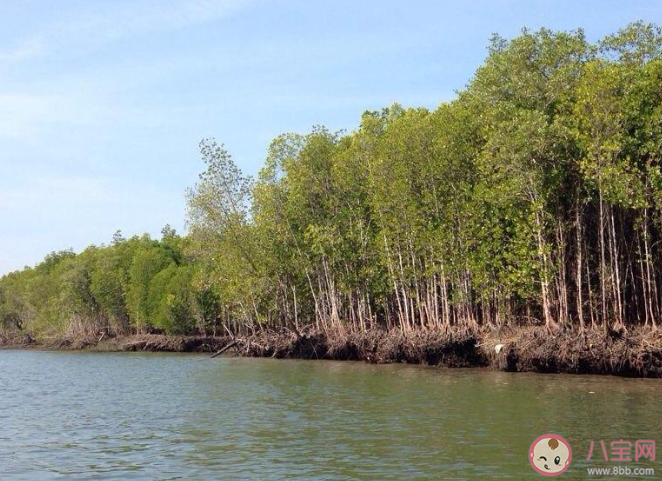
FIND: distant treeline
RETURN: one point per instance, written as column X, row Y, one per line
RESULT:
column 136, row 284
column 534, row 197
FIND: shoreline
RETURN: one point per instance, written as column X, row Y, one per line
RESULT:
column 635, row 353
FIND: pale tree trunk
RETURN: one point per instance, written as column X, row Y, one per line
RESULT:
column 578, row 231
column 544, row 276
column 616, row 276
column 603, row 265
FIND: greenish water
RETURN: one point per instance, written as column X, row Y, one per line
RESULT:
column 149, row 416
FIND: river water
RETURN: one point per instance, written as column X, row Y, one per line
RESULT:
column 72, row 415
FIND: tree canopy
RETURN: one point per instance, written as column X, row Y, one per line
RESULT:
column 534, row 197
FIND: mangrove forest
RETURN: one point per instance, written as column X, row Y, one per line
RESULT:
column 532, row 200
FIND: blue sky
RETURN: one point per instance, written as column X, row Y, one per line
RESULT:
column 103, row 103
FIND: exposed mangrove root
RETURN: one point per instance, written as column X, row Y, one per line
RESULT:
column 635, row 353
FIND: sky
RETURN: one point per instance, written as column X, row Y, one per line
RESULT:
column 103, row 103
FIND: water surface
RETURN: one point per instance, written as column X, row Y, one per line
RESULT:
column 133, row 416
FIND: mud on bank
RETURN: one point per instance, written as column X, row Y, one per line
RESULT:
column 633, row 353
column 636, row 353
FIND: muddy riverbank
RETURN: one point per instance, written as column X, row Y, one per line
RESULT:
column 634, row 353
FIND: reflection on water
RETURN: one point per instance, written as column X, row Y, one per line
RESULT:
column 149, row 416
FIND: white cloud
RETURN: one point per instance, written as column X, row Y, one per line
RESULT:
column 26, row 116
column 21, row 114
column 31, row 107
column 25, row 49
column 62, row 191
column 118, row 20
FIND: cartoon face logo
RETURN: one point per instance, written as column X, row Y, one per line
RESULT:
column 550, row 455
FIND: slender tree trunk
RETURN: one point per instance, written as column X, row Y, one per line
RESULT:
column 616, row 273
column 578, row 231
column 603, row 266
column 544, row 279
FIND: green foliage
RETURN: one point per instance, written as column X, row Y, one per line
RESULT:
column 481, row 211
column 136, row 284
column 172, row 300
column 534, row 196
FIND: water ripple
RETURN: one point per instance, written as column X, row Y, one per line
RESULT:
column 99, row 416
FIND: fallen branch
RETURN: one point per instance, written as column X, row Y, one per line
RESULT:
column 232, row 344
